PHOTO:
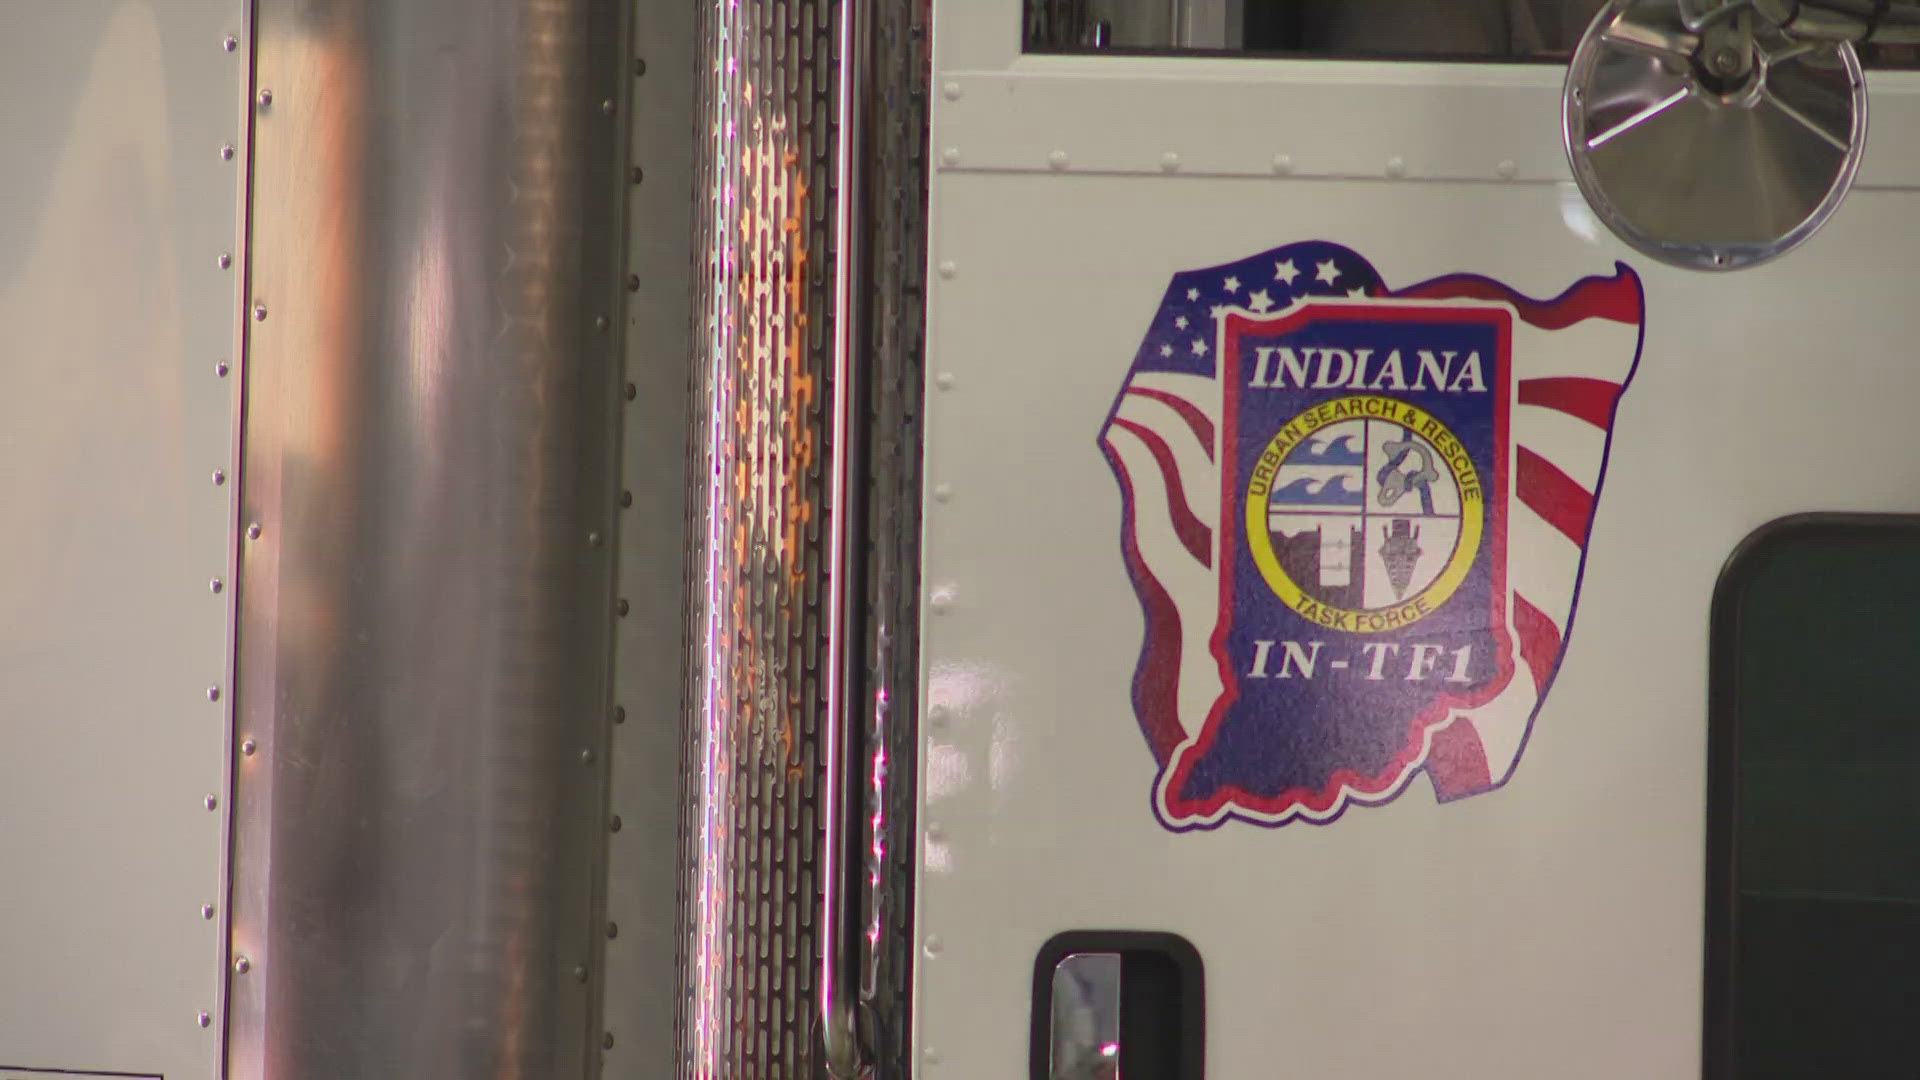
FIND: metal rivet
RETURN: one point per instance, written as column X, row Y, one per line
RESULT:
column 942, row 600
column 586, row 756
column 633, row 282
column 626, row 499
column 936, row 834
column 631, row 391
column 600, row 323
column 948, row 269
column 219, row 477
column 950, row 156
column 934, row 945
column 951, row 90
column 205, row 1020
column 938, row 717
column 944, row 380
column 579, row 973
column 225, row 260
column 259, row 311
column 206, row 911
column 213, row 693
column 613, row 930
column 226, row 152
column 622, row 607
column 231, row 43
column 593, row 539
column 606, row 107
column 1508, row 170
column 253, row 531
column 1057, row 160
column 606, row 1041
column 216, row 585
column 247, row 747
column 1282, row 164
column 266, row 97
column 619, row 714
column 220, row 368
column 639, row 67
column 1396, row 167
column 942, row 492
column 1169, row 162
column 211, row 802
column 614, row 823
column 636, row 174
column 931, row 1055
column 242, row 965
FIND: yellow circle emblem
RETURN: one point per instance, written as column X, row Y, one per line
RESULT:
column 1364, row 513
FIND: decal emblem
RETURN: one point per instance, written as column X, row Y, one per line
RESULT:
column 1356, row 520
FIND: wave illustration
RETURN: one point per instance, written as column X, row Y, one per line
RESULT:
column 1340, row 450
column 1340, row 490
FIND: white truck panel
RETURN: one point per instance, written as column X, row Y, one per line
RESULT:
column 118, row 239
column 1552, row 927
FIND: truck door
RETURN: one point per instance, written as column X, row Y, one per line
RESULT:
column 1324, row 512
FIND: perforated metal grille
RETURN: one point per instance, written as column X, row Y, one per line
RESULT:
column 764, row 323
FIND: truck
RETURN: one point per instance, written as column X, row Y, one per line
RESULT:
column 792, row 539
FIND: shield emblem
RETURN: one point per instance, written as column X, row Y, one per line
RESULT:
column 1356, row 520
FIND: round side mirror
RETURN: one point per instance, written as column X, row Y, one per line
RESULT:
column 1708, row 150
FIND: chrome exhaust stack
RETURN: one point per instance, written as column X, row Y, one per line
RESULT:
column 805, row 489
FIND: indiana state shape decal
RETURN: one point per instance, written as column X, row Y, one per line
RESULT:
column 1356, row 519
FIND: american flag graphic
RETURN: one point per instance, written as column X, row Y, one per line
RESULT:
column 1356, row 521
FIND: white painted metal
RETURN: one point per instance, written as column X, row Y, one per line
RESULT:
column 1552, row 928
column 116, row 207
column 645, row 854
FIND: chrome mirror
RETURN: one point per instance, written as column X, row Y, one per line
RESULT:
column 1715, row 134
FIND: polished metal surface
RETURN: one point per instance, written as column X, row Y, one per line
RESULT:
column 808, row 326
column 840, row 1047
column 1085, row 1013
column 424, row 622
column 1705, row 150
column 761, row 468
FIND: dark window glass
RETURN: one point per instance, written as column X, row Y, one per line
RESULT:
column 1813, row 922
column 1525, row 30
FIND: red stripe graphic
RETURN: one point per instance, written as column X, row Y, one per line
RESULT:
column 1539, row 640
column 1156, row 682
column 1192, row 532
column 1553, row 495
column 1616, row 298
column 1457, row 762
column 1591, row 400
column 1197, row 420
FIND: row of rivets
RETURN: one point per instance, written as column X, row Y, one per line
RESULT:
column 1395, row 167
column 941, row 598
column 635, row 175
column 228, row 152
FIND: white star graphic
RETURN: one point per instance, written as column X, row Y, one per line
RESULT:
column 1358, row 294
column 1180, row 322
column 1286, row 272
column 1199, row 347
column 1218, row 310
column 1166, row 350
column 1260, row 301
column 1193, row 294
column 1233, row 284
column 1327, row 272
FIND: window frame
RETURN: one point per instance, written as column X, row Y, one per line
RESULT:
column 1720, row 997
